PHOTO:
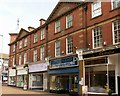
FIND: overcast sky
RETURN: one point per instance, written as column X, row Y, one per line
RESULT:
column 29, row 13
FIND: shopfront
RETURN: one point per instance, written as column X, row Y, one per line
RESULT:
column 101, row 71
column 64, row 76
column 38, row 76
column 22, row 76
column 12, row 77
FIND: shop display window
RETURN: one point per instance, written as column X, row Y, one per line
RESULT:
column 97, row 80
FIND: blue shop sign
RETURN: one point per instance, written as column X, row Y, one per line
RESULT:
column 64, row 71
column 64, row 62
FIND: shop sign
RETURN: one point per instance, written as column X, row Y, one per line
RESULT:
column 64, row 62
column 22, row 71
column 101, row 60
column 12, row 72
column 107, row 52
column 38, row 67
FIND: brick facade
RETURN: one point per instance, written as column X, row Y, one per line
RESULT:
column 80, row 31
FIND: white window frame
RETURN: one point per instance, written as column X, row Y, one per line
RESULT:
column 25, row 42
column 25, row 58
column 35, row 55
column 35, row 37
column 115, row 2
column 13, row 47
column 42, row 53
column 13, row 61
column 42, row 33
column 20, row 44
column 57, row 48
column 68, row 47
column 57, row 26
column 69, row 21
column 114, row 33
column 94, row 39
column 20, row 59
column 98, row 9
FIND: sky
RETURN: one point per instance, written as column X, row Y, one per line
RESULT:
column 29, row 12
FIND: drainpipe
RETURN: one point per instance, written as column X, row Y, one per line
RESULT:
column 15, row 61
column 81, row 61
column 85, row 7
column 46, row 41
column 48, row 77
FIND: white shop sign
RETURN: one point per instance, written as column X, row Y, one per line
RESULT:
column 12, row 72
column 22, row 71
column 38, row 67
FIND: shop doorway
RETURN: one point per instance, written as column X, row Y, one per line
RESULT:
column 62, row 84
column 118, row 85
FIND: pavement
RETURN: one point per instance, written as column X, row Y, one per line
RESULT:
column 14, row 91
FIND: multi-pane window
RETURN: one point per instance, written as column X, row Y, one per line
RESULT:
column 35, row 55
column 115, row 4
column 96, row 9
column 57, row 48
column 116, row 31
column 69, row 45
column 20, row 44
column 20, row 59
column 57, row 26
column 35, row 37
column 13, row 61
column 13, row 47
column 42, row 53
column 97, row 37
column 69, row 21
column 25, row 42
column 25, row 58
column 42, row 34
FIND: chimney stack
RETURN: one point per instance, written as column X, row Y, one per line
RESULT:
column 13, row 36
column 30, row 28
column 42, row 21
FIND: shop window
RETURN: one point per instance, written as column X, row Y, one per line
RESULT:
column 99, row 76
column 116, row 32
column 37, row 81
column 96, row 9
column 97, row 37
column 12, row 80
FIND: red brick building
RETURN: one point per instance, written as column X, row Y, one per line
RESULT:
column 92, row 29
